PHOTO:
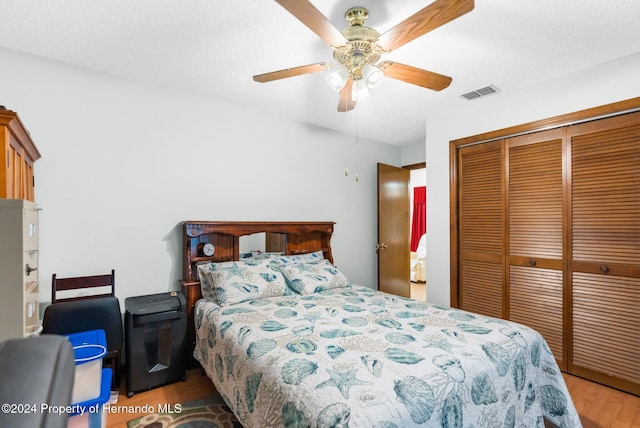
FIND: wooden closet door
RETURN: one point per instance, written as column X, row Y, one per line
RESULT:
column 605, row 253
column 535, row 201
column 481, row 229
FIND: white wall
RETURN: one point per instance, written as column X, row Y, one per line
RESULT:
column 123, row 163
column 604, row 84
column 412, row 154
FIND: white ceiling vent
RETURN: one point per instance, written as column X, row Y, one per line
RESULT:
column 487, row 90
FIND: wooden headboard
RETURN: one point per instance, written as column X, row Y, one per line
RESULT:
column 287, row 237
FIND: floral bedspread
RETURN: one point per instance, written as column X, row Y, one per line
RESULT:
column 354, row 357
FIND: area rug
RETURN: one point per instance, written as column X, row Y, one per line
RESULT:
column 206, row 413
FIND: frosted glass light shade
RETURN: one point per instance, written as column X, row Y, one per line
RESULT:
column 338, row 78
column 372, row 76
column 359, row 90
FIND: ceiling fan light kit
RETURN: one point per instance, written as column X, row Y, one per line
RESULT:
column 371, row 78
column 358, row 48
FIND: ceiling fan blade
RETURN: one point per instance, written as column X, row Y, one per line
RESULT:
column 415, row 76
column 315, row 20
column 431, row 17
column 291, row 72
column 346, row 100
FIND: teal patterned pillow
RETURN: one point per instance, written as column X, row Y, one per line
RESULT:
column 260, row 254
column 206, row 286
column 316, row 256
column 266, row 255
column 239, row 281
column 311, row 277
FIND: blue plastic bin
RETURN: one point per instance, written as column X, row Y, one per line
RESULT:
column 90, row 414
column 88, row 347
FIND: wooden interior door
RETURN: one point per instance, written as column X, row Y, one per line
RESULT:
column 393, row 230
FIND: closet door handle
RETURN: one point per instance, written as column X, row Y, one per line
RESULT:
column 381, row 246
column 532, row 262
column 604, row 269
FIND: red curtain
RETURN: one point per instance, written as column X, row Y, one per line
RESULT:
column 419, row 223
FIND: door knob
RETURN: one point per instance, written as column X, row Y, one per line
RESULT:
column 381, row 246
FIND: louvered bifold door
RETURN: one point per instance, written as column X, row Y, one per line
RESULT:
column 605, row 262
column 535, row 239
column 481, row 229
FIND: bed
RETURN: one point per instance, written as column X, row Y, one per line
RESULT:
column 288, row 341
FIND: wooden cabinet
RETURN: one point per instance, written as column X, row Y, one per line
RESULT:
column 17, row 155
column 547, row 234
column 19, row 311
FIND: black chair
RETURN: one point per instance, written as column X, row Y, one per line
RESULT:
column 36, row 371
column 106, row 283
column 98, row 310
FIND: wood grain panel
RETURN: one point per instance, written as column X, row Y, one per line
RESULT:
column 606, row 194
column 535, row 198
column 481, row 290
column 304, row 243
column 480, row 195
column 605, row 251
column 535, row 299
column 535, row 206
column 481, row 238
column 606, row 325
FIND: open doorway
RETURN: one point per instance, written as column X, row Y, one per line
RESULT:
column 418, row 228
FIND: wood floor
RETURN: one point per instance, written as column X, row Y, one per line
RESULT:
column 598, row 406
column 419, row 291
column 196, row 386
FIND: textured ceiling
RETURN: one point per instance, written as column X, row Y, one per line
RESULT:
column 214, row 47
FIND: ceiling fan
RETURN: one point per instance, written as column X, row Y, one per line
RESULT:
column 358, row 48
